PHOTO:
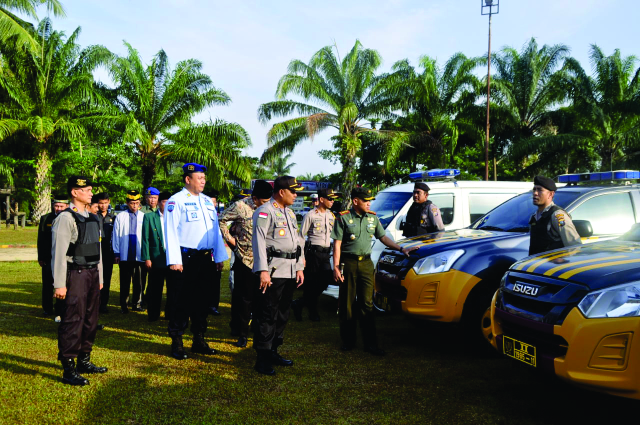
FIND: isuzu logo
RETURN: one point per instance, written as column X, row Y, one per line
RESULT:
column 388, row 259
column 523, row 288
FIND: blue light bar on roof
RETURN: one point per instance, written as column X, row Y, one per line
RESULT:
column 436, row 173
column 602, row 176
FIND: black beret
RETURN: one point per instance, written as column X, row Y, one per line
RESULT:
column 545, row 182
column 163, row 196
column 286, row 182
column 362, row 193
column 421, row 185
column 262, row 189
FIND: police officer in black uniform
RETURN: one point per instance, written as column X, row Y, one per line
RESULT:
column 423, row 215
column 77, row 277
column 550, row 226
column 106, row 218
column 60, row 203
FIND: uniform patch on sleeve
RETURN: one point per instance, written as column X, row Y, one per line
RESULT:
column 263, row 215
column 171, row 207
column 434, row 210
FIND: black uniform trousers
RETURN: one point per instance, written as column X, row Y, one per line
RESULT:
column 157, row 277
column 47, row 293
column 246, row 287
column 272, row 313
column 317, row 275
column 107, row 273
column 188, row 296
column 77, row 331
column 214, row 289
column 130, row 272
column 356, row 302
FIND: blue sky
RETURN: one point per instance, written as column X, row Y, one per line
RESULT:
column 245, row 45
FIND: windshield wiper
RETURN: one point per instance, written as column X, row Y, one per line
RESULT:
column 519, row 229
column 498, row 229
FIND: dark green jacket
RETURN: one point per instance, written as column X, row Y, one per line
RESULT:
column 152, row 244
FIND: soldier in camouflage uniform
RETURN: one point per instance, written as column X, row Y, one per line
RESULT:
column 352, row 234
column 240, row 217
column 316, row 226
column 278, row 260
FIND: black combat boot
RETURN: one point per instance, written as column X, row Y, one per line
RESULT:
column 85, row 365
column 177, row 349
column 200, row 346
column 296, row 306
column 263, row 363
column 278, row 360
column 70, row 375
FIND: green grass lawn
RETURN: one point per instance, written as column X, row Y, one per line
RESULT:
column 431, row 374
column 26, row 236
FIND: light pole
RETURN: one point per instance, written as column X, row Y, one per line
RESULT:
column 488, row 7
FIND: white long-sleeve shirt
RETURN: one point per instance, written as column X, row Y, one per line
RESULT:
column 120, row 238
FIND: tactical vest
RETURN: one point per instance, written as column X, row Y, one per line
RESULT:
column 541, row 239
column 414, row 225
column 86, row 250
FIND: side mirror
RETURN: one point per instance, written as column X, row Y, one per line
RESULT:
column 583, row 227
column 400, row 220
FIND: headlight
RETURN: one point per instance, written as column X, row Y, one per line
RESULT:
column 437, row 263
column 619, row 301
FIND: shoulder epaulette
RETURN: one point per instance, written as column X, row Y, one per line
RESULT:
column 344, row 212
column 372, row 212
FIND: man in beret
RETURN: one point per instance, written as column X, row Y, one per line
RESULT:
column 195, row 250
column 352, row 235
column 107, row 219
column 279, row 262
column 127, row 246
column 550, row 226
column 317, row 225
column 423, row 215
column 77, row 278
column 236, row 225
column 154, row 256
column 151, row 195
column 59, row 204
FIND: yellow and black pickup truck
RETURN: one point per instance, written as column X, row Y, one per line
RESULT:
column 454, row 274
column 576, row 312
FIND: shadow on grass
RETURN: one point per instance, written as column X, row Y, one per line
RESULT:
column 25, row 366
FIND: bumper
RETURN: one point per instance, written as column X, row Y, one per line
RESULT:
column 439, row 296
column 599, row 354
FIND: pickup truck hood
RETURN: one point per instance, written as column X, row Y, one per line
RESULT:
column 467, row 239
column 598, row 265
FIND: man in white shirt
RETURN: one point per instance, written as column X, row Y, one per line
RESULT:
column 127, row 245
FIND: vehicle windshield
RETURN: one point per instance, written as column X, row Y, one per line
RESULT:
column 514, row 214
column 632, row 235
column 387, row 204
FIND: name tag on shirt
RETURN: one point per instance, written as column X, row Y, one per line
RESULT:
column 193, row 214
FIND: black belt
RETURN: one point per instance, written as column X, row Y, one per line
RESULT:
column 279, row 254
column 357, row 257
column 193, row 251
column 73, row 266
column 318, row 248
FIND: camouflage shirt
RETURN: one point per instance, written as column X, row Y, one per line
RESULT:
column 237, row 221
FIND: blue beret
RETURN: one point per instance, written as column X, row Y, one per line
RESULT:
column 192, row 167
column 152, row 191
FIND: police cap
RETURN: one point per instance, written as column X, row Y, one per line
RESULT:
column 422, row 186
column 327, row 194
column 545, row 182
column 244, row 193
column 78, row 182
column 362, row 193
column 152, row 191
column 286, row 182
column 262, row 189
column 132, row 195
column 60, row 198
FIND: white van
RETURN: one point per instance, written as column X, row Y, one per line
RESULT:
column 461, row 203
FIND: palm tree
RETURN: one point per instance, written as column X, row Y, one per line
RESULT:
column 52, row 99
column 157, row 105
column 348, row 94
column 605, row 107
column 279, row 166
column 11, row 26
column 525, row 89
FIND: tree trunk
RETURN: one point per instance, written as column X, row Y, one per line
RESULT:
column 350, row 148
column 148, row 173
column 43, row 186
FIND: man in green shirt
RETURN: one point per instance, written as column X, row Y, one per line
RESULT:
column 352, row 235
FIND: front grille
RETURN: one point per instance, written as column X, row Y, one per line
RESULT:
column 395, row 264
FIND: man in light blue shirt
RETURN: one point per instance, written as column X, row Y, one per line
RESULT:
column 195, row 250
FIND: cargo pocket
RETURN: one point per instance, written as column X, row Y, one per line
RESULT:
column 72, row 311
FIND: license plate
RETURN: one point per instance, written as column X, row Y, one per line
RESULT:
column 382, row 302
column 526, row 353
column 388, row 259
